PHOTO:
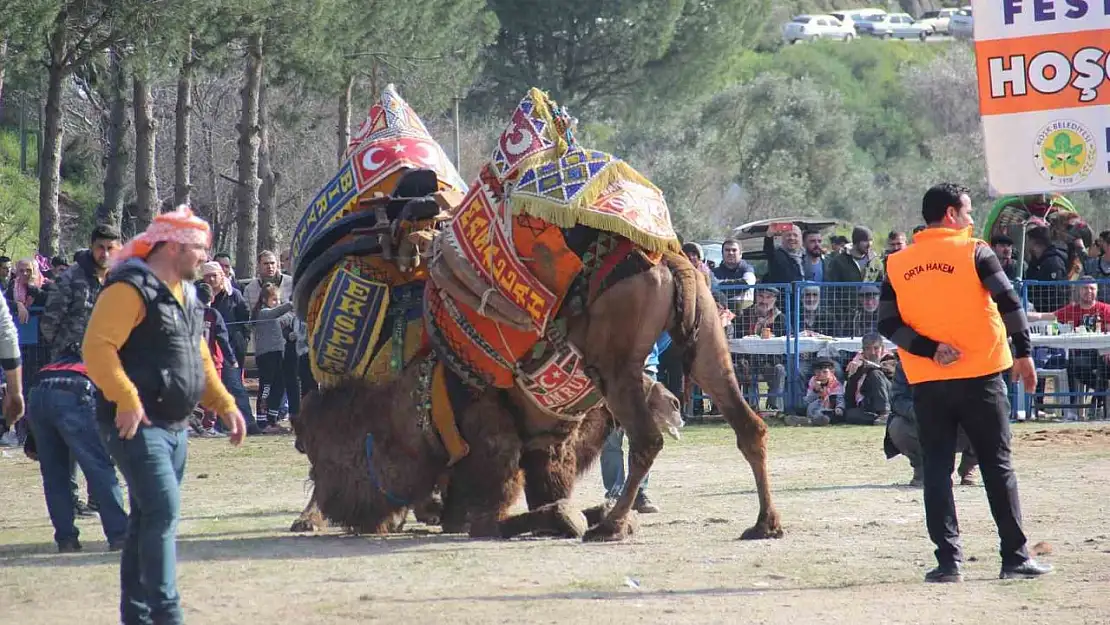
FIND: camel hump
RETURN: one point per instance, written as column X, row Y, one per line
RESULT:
column 687, row 316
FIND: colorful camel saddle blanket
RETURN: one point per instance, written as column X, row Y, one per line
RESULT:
column 363, row 324
column 391, row 141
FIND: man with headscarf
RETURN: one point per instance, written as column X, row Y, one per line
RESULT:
column 145, row 351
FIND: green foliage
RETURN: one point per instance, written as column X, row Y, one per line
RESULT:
column 612, row 52
column 19, row 201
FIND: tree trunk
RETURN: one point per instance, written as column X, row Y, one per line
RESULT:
column 182, row 157
column 116, row 155
column 3, row 66
column 343, row 128
column 146, row 184
column 246, row 237
column 50, row 158
column 267, row 213
column 216, row 216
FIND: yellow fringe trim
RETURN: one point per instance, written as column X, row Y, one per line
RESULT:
column 443, row 416
column 578, row 211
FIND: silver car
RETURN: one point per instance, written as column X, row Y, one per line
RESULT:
column 894, row 26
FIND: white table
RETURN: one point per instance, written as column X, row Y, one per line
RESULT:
column 834, row 346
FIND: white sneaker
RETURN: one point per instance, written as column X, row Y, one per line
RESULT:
column 9, row 439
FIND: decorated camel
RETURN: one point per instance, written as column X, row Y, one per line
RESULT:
column 540, row 295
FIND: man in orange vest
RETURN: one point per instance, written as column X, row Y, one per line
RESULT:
column 948, row 306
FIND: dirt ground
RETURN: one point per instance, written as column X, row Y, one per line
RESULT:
column 854, row 552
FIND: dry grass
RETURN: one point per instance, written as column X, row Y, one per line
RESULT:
column 854, row 553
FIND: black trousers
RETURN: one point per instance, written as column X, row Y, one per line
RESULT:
column 982, row 407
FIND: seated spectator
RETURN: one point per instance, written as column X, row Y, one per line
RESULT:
column 823, row 396
column 816, row 319
column 865, row 317
column 901, row 434
column 866, row 399
column 766, row 319
column 1087, row 365
column 784, row 261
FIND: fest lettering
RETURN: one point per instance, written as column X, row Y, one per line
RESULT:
column 1046, row 10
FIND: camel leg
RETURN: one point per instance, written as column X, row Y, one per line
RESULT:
column 645, row 440
column 311, row 520
column 713, row 372
column 553, row 519
column 549, row 474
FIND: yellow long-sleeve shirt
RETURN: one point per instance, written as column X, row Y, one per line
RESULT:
column 119, row 309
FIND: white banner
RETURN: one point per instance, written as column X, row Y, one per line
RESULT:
column 1044, row 93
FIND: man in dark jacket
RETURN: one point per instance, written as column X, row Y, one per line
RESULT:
column 235, row 313
column 784, row 262
column 1048, row 263
column 858, row 263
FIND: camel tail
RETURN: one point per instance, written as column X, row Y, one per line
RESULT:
column 687, row 315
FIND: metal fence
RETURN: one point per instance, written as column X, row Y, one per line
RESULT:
column 780, row 330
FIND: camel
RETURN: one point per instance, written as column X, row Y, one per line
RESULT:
column 508, row 435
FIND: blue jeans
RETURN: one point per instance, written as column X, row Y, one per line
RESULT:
column 62, row 418
column 232, row 377
column 153, row 463
column 612, row 462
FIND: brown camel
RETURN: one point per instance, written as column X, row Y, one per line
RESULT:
column 507, row 433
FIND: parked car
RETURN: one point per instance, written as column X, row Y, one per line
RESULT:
column 810, row 27
column 894, row 25
column 961, row 25
column 937, row 20
column 852, row 17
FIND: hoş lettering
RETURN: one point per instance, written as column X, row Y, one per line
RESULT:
column 1050, row 72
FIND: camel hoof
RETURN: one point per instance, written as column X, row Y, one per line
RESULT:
column 611, row 531
column 567, row 522
column 761, row 531
column 485, row 526
column 596, row 514
column 303, row 525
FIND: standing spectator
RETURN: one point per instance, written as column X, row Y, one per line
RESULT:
column 837, row 243
column 5, row 272
column 224, row 260
column 236, row 316
column 68, row 306
column 144, row 352
column 26, row 296
column 895, row 242
column 1047, row 263
column 1098, row 265
column 919, row 229
column 58, row 265
column 10, row 363
column 785, row 261
column 696, row 255
column 734, row 272
column 269, row 351
column 269, row 272
column 857, row 263
column 814, row 261
column 304, row 366
column 733, row 269
column 219, row 344
column 1003, row 247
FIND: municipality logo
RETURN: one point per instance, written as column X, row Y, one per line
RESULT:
column 1064, row 153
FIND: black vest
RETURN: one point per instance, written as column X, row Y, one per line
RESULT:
column 162, row 355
